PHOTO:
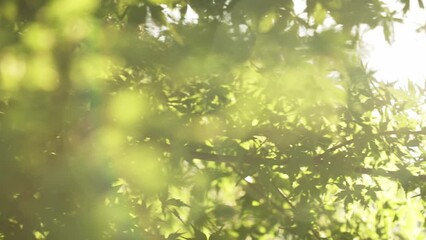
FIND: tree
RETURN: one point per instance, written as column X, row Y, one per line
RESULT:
column 225, row 119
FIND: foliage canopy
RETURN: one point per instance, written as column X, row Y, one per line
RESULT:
column 198, row 119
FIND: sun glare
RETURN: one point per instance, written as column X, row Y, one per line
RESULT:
column 405, row 57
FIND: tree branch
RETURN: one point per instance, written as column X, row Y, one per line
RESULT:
column 348, row 142
column 252, row 160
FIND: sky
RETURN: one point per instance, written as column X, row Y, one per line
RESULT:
column 405, row 58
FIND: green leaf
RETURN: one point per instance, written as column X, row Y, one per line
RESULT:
column 174, row 236
column 267, row 22
column 216, row 235
column 319, row 14
column 158, row 15
column 406, row 5
column 224, row 211
column 175, row 202
column 411, row 88
column 199, row 235
column 388, row 32
column 341, row 195
column 136, row 14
